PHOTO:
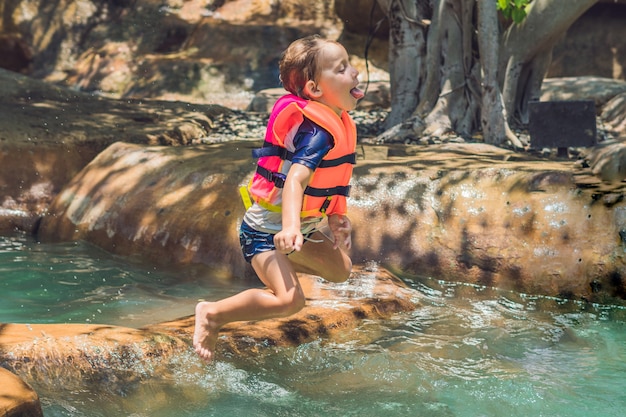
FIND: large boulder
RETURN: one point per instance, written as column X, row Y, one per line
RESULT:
column 463, row 212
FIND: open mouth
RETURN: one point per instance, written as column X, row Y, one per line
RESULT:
column 357, row 93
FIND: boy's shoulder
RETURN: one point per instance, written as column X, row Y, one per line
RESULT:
column 309, row 128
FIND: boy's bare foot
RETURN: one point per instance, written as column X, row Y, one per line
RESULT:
column 205, row 332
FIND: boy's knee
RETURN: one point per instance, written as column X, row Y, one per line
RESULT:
column 340, row 275
column 343, row 277
column 294, row 304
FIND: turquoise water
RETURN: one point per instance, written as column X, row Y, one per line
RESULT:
column 467, row 351
column 78, row 283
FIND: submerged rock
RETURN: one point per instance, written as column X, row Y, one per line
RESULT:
column 79, row 355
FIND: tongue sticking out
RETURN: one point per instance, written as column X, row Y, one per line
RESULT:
column 356, row 93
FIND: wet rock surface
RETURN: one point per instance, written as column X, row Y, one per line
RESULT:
column 17, row 398
column 83, row 354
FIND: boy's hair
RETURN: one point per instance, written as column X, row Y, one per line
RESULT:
column 299, row 63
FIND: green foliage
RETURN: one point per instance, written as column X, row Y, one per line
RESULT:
column 513, row 9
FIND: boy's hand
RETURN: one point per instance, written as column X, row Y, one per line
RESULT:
column 287, row 240
column 341, row 229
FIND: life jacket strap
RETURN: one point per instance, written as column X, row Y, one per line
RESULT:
column 275, row 177
column 343, row 190
column 279, row 181
column 272, row 150
column 246, row 198
column 284, row 154
column 346, row 159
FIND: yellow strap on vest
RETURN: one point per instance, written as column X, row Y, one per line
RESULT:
column 247, row 200
column 245, row 196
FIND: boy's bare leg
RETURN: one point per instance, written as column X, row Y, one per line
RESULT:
column 285, row 297
column 322, row 259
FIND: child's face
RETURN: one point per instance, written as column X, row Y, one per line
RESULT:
column 337, row 81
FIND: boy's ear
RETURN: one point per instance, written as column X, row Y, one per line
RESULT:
column 311, row 90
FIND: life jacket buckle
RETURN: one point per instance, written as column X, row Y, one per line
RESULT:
column 325, row 205
column 278, row 179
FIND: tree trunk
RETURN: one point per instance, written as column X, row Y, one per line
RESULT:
column 451, row 99
column 526, row 51
column 440, row 83
column 406, row 56
column 493, row 118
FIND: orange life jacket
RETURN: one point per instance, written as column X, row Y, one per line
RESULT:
column 329, row 185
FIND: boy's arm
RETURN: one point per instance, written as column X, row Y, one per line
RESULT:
column 290, row 237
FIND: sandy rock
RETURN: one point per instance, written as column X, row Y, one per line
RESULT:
column 169, row 203
column 532, row 227
column 372, row 293
column 17, row 398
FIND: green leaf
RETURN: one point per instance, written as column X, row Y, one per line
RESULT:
column 518, row 15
